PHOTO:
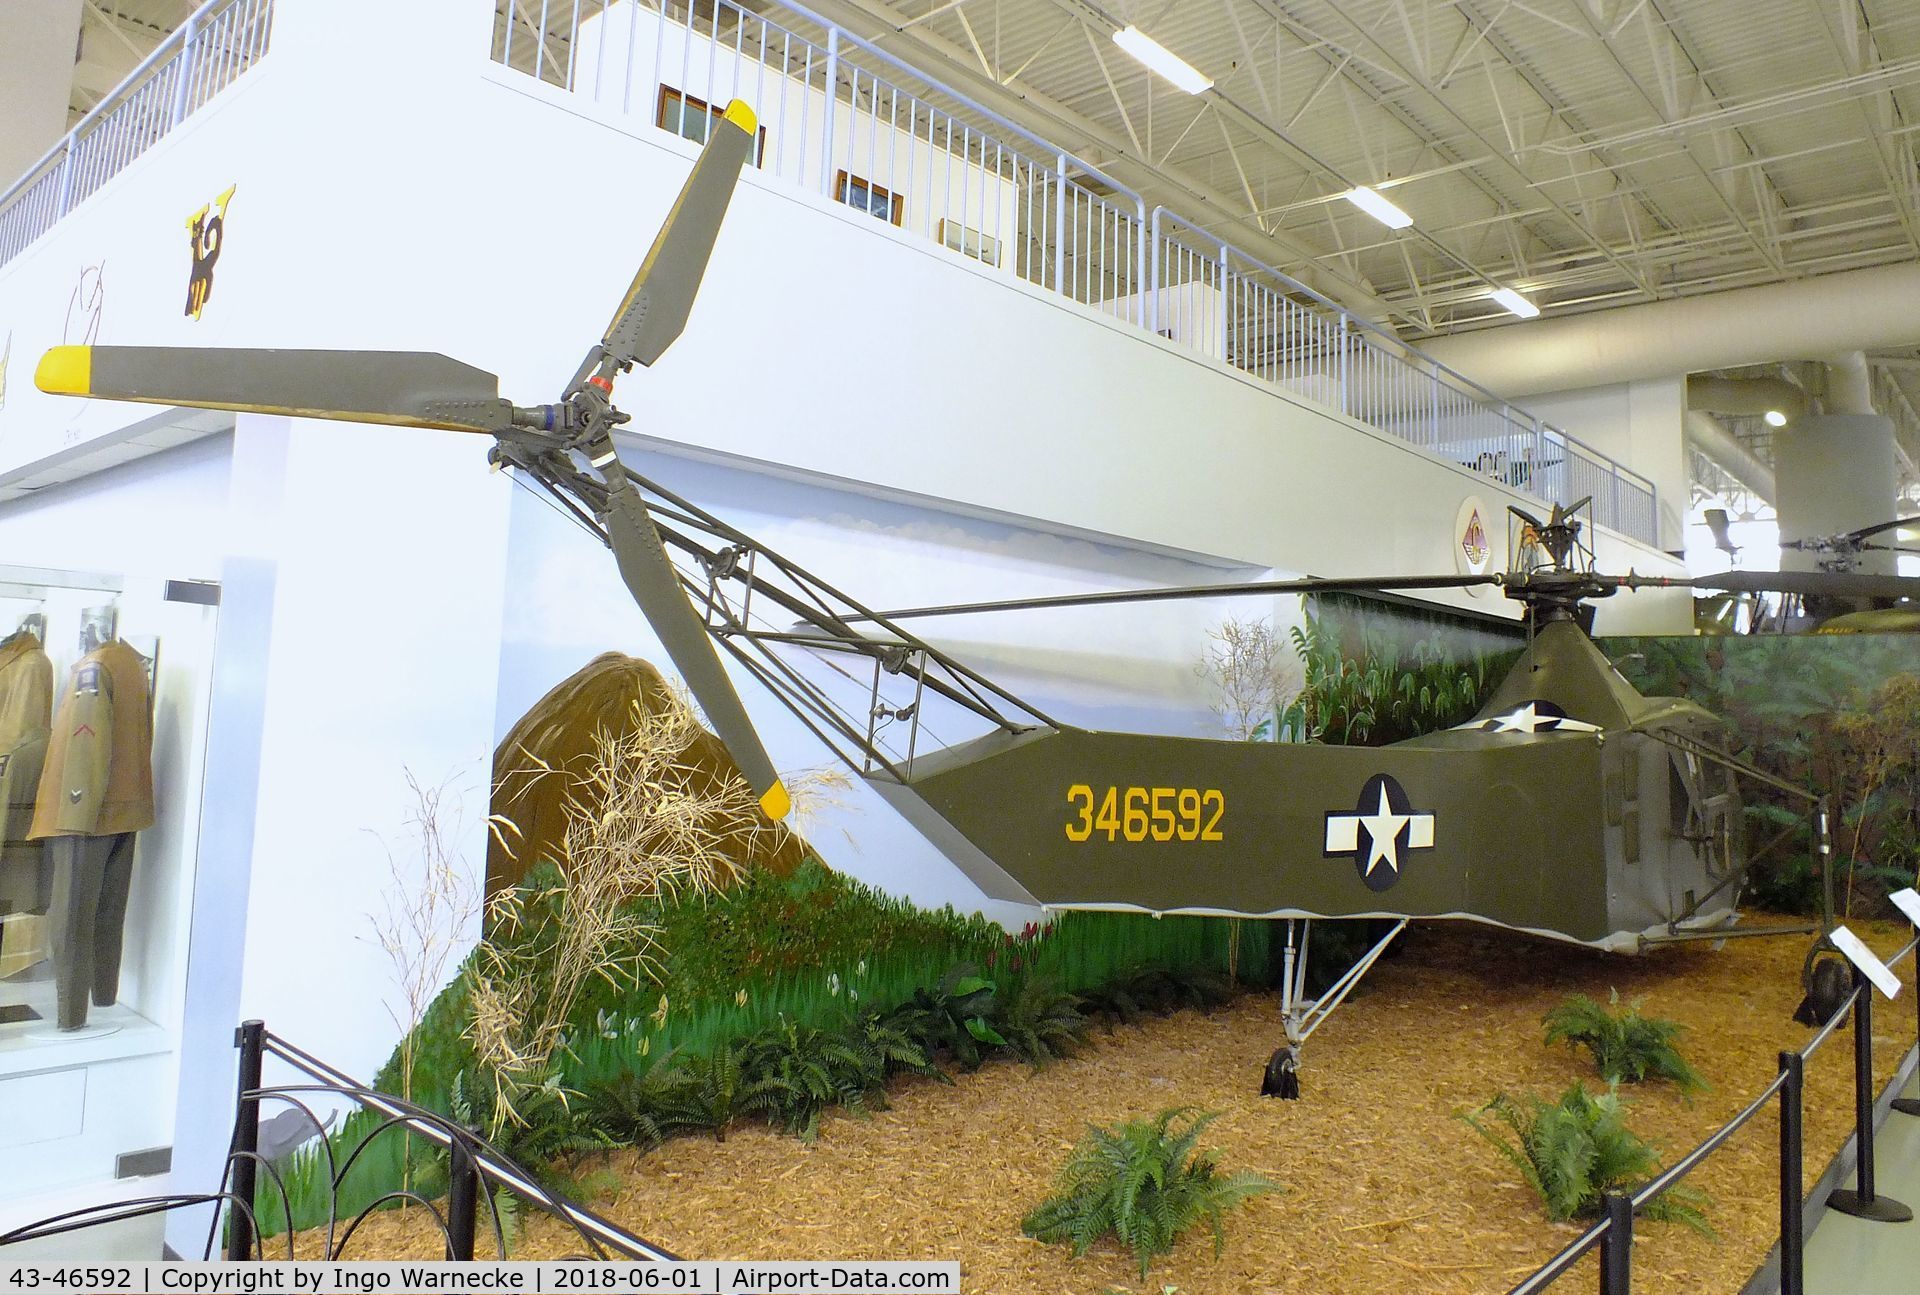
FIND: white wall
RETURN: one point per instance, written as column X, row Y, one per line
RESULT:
column 1642, row 424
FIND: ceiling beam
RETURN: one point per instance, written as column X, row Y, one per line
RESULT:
column 1665, row 113
column 1395, row 66
column 1860, row 59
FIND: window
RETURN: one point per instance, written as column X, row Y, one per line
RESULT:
column 693, row 119
column 970, row 242
column 865, row 195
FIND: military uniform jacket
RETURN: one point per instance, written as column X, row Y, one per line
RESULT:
column 26, row 710
column 98, row 779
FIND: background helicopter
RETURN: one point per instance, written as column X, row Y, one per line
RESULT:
column 1818, row 613
column 1571, row 807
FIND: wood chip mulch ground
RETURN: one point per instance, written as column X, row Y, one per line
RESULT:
column 1384, row 1189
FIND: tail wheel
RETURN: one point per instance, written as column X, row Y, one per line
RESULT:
column 1827, row 980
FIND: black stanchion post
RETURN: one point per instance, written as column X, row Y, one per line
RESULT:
column 1793, row 1237
column 463, row 1197
column 1616, row 1245
column 1863, row 1203
column 251, row 1039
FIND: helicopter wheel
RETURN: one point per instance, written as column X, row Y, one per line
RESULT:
column 1827, row 982
column 1283, row 1075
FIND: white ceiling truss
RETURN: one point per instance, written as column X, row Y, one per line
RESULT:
column 1587, row 152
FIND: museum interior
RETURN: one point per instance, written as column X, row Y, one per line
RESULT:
column 1100, row 538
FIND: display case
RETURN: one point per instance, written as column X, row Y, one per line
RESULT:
column 104, row 688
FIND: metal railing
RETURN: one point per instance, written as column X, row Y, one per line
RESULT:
column 206, row 53
column 842, row 117
column 1612, row 1235
column 475, row 1172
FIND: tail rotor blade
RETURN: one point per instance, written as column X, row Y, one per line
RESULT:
column 401, row 388
column 657, row 303
column 654, row 583
column 1719, row 523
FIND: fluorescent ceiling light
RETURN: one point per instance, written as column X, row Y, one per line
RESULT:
column 1162, row 60
column 1377, row 207
column 1775, row 418
column 1515, row 303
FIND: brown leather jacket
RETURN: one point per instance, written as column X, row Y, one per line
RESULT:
column 99, row 773
column 26, row 711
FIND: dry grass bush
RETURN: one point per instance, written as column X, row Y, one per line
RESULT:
column 636, row 831
column 426, row 913
column 1249, row 676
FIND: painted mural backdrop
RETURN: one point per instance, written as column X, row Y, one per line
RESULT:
column 1840, row 713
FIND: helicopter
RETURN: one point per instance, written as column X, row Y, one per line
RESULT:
column 1570, row 807
column 1842, row 553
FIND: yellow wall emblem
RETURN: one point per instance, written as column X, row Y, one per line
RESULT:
column 205, row 234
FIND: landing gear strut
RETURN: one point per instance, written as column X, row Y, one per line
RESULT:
column 1301, row 1018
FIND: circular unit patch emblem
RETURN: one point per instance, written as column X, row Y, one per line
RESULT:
column 1472, row 546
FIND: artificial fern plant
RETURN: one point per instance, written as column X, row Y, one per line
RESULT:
column 1142, row 1182
column 1626, row 1046
column 1576, row 1151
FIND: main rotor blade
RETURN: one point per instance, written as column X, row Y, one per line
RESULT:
column 1179, row 592
column 654, row 583
column 402, row 388
column 1818, row 584
column 1527, row 517
column 656, row 306
column 1866, row 532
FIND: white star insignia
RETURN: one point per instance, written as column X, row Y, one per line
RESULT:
column 1530, row 718
column 1383, row 827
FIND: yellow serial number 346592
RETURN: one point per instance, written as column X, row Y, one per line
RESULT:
column 1146, row 813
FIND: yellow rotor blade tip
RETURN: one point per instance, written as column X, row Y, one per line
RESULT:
column 742, row 116
column 776, row 804
column 65, row 371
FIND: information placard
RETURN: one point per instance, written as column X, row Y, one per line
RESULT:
column 1908, row 902
column 1864, row 958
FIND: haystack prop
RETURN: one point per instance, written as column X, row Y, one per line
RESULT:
column 543, row 759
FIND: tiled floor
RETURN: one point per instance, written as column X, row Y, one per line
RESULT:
column 1849, row 1256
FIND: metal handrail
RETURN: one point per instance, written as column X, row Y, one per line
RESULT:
column 486, row 1160
column 1393, row 339
column 114, row 97
column 901, row 65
